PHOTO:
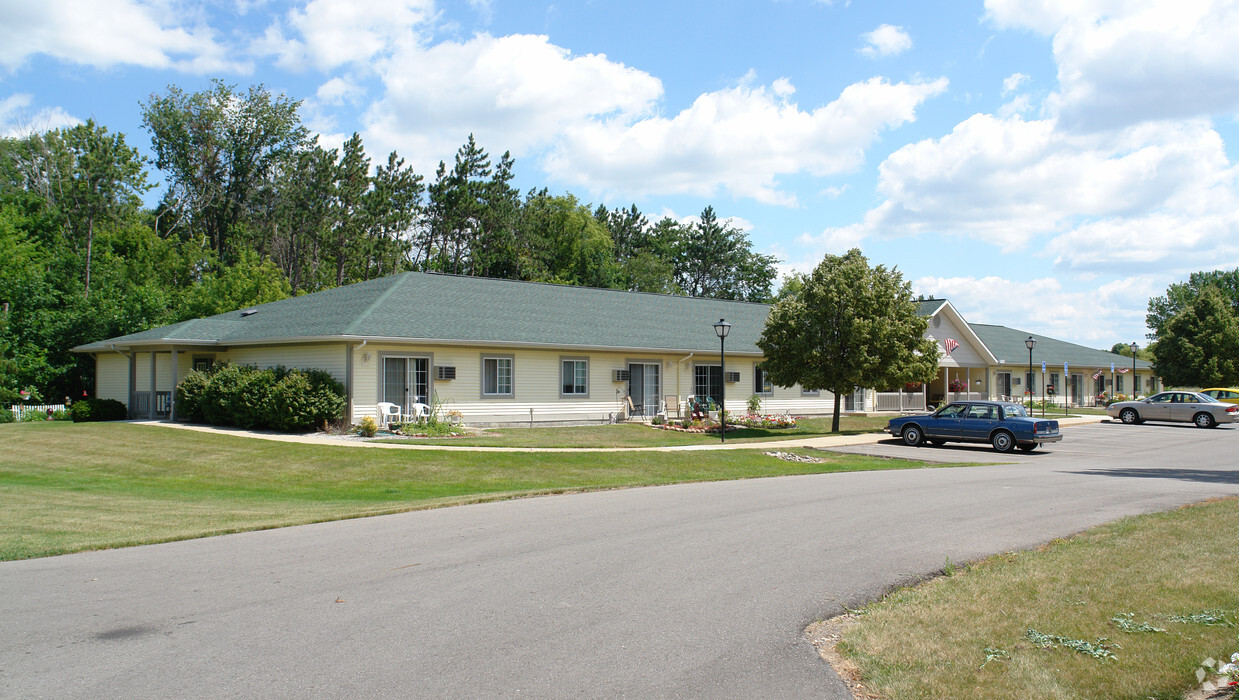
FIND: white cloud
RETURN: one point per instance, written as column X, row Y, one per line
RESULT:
column 1013, row 82
column 332, row 33
column 16, row 119
column 337, row 91
column 886, row 40
column 517, row 92
column 739, row 140
column 1121, row 62
column 106, row 33
column 1096, row 317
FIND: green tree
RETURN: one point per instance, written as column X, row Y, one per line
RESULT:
column 1199, row 346
column 849, row 325
column 220, row 149
column 247, row 283
column 568, row 243
column 714, row 259
column 1164, row 308
column 88, row 177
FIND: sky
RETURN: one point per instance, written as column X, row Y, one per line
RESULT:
column 1047, row 165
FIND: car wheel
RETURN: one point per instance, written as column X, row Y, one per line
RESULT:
column 1028, row 446
column 1204, row 420
column 1129, row 416
column 912, row 436
column 1002, row 441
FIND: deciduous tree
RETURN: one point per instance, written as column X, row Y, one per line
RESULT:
column 848, row 325
column 1199, row 346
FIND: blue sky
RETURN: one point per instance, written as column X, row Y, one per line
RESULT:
column 1047, row 165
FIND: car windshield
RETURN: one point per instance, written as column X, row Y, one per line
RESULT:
column 951, row 410
column 1205, row 398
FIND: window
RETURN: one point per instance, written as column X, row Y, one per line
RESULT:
column 708, row 381
column 203, row 364
column 574, row 377
column 1118, row 384
column 761, row 382
column 496, row 376
column 805, row 392
column 1030, row 383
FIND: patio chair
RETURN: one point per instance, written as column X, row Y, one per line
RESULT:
column 387, row 412
column 419, row 411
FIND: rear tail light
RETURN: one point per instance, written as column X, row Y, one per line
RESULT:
column 1232, row 409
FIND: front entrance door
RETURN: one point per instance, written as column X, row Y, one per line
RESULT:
column 1076, row 388
column 643, row 386
column 406, row 381
column 1004, row 386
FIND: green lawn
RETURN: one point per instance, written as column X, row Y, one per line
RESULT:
column 1174, row 571
column 67, row 487
column 640, row 435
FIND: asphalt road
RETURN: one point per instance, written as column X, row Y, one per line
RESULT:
column 678, row 591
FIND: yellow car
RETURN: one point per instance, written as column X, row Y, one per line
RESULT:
column 1224, row 395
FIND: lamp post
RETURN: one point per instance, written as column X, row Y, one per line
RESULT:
column 1135, row 388
column 721, row 329
column 1030, row 344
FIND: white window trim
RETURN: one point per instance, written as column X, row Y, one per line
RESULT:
column 765, row 381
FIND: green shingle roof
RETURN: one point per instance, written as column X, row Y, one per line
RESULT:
column 417, row 306
column 1007, row 344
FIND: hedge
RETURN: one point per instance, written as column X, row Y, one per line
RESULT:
column 88, row 410
column 276, row 398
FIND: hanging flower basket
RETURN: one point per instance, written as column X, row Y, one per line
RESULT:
column 959, row 385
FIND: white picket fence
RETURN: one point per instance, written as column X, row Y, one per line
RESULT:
column 20, row 410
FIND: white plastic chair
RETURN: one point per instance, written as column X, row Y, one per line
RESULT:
column 420, row 411
column 387, row 412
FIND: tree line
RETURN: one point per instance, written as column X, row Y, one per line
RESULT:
column 252, row 209
column 1195, row 330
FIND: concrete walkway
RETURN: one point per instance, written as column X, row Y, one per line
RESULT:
column 824, row 442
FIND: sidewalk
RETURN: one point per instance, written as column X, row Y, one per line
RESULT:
column 824, row 442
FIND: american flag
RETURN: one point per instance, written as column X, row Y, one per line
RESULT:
column 1122, row 370
column 1100, row 370
column 949, row 345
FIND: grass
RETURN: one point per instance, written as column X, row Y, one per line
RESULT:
column 640, row 435
column 68, row 487
column 968, row 635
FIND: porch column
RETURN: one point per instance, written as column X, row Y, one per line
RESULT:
column 172, row 398
column 968, row 379
column 133, row 384
column 946, row 385
column 152, row 392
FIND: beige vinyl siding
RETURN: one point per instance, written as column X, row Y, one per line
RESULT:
column 112, row 377
column 325, row 356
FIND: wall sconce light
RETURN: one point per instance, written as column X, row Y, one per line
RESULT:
column 365, row 357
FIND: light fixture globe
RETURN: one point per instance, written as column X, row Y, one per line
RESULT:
column 722, row 328
column 1030, row 343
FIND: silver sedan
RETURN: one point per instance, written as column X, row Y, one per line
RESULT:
column 1181, row 406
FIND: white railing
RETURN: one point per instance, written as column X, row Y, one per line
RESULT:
column 899, row 401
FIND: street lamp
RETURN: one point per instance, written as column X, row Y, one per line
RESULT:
column 1135, row 387
column 1030, row 344
column 721, row 329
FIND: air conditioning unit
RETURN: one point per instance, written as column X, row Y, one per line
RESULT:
column 733, row 377
column 442, row 372
column 620, row 375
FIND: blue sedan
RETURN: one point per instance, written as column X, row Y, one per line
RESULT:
column 1003, row 425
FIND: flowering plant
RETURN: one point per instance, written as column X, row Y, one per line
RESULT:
column 756, row 420
column 959, row 385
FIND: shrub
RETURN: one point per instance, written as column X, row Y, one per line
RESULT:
column 367, row 427
column 278, row 398
column 88, row 410
column 6, row 416
column 189, row 396
column 33, row 416
column 657, row 420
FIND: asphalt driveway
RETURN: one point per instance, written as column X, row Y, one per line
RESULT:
column 679, row 591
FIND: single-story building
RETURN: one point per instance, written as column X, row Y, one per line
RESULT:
column 504, row 351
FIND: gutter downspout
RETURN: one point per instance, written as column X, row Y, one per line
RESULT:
column 132, row 380
column 677, row 377
column 348, row 378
